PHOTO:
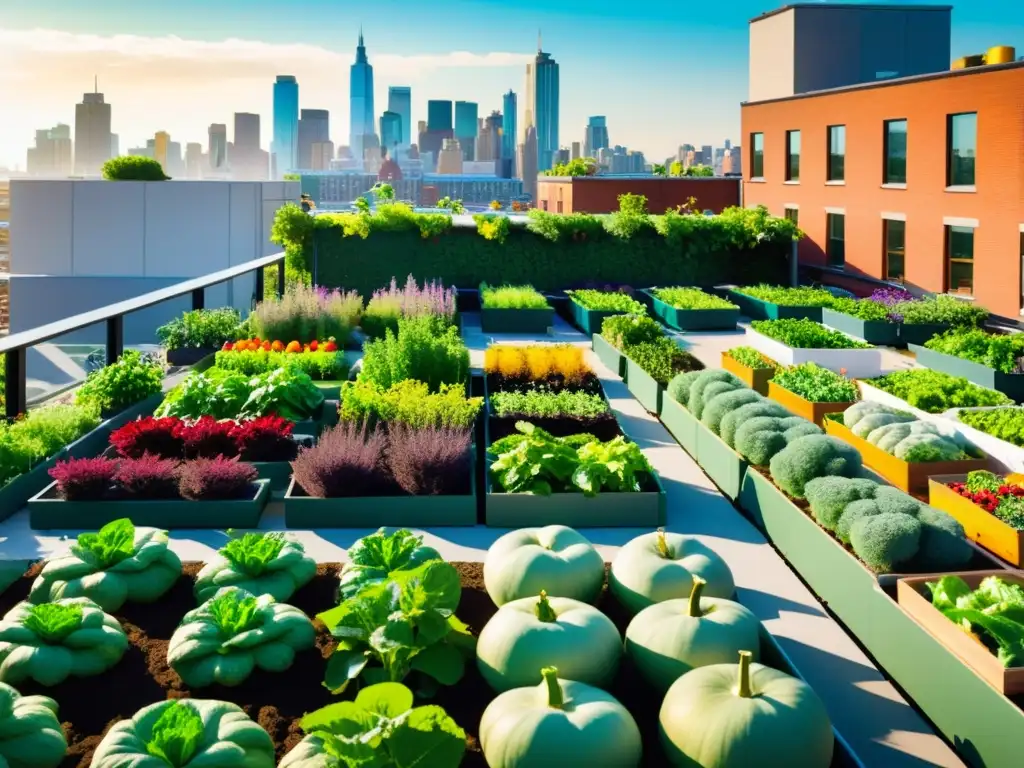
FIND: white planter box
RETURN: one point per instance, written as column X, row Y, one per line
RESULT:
column 858, row 363
column 875, row 395
column 1009, row 455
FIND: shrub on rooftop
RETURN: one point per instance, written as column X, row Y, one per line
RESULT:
column 133, row 168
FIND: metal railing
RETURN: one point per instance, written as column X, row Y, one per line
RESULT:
column 15, row 345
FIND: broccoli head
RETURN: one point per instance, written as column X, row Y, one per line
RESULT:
column 732, row 420
column 707, row 377
column 829, row 496
column 726, row 402
column 679, row 387
column 885, row 541
column 812, row 456
column 760, row 438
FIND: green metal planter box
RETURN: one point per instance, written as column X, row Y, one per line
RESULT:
column 1010, row 384
column 326, row 416
column 188, row 355
column 756, row 309
column 609, row 356
column 877, row 332
column 720, row 462
column 643, row 387
column 534, row 321
column 589, row 320
column 278, row 474
column 680, row 423
column 16, row 493
column 331, row 389
column 919, row 333
column 645, row 509
column 693, row 319
column 47, row 512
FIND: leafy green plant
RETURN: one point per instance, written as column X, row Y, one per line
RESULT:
column 492, row 226
column 541, row 403
column 935, row 392
column 941, row 310
column 806, row 334
column 863, row 309
column 286, row 392
column 1004, row 423
column 408, row 402
column 306, row 313
column 691, row 298
column 52, row 622
column 393, row 628
column 381, row 728
column 41, row 433
column 751, row 358
column 422, row 350
column 261, row 563
column 512, row 297
column 177, row 734
column 661, row 359
column 816, row 384
column 994, row 612
column 201, row 329
column 789, row 297
column 378, row 557
column 627, row 330
column 319, row 365
column 1002, row 352
column 133, row 168
column 130, row 380
column 607, row 301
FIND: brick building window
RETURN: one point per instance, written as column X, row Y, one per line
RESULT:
column 837, row 153
column 835, row 243
column 793, row 214
column 792, row 155
column 962, row 147
column 894, row 234
column 757, row 155
column 960, row 260
column 895, row 170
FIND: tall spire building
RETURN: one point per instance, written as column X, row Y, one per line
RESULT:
column 541, row 108
column 92, row 133
column 285, row 144
column 361, row 114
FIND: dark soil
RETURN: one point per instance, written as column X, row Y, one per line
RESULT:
column 497, row 383
column 604, row 427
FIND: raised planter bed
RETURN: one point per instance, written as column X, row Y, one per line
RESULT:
column 692, row 319
column 915, row 598
column 857, row 363
column 278, row 474
column 989, row 731
column 877, row 332
column 1010, row 456
column 756, row 309
column 999, row 538
column 325, row 416
column 876, row 395
column 644, row 387
column 1010, row 384
column 609, row 356
column 720, row 462
column 802, row 407
column 330, row 389
column 919, row 333
column 46, row 511
column 680, row 423
column 755, row 378
column 589, row 320
column 188, row 355
column 527, row 321
column 911, row 477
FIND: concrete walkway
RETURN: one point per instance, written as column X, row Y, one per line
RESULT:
column 882, row 729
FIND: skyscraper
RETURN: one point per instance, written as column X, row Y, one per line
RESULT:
column 466, row 115
column 361, row 113
column 508, row 135
column 217, row 148
column 92, row 133
column 528, row 162
column 285, row 148
column 314, row 128
column 161, row 142
column 246, row 156
column 51, row 156
column 400, row 102
column 542, row 96
column 390, row 130
column 194, row 160
column 595, row 136
column 439, row 116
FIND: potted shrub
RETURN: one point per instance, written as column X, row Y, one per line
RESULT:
column 199, row 493
column 590, row 308
column 902, row 448
column 691, row 309
column 811, row 391
column 750, row 366
column 514, row 309
column 357, row 476
column 792, row 342
column 990, row 507
column 991, row 360
column 198, row 334
column 772, row 302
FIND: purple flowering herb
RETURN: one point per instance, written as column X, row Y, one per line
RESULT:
column 891, row 296
column 411, row 300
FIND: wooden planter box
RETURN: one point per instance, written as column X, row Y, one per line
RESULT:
column 643, row 387
column 693, row 319
column 915, row 598
column 877, row 332
column 798, row 406
column 609, row 356
column 755, row 378
column 589, row 320
column 858, row 363
column 979, row 525
column 527, row 321
column 756, row 309
column 720, row 462
column 907, row 476
column 680, row 423
column 1010, row 384
column 919, row 333
column 46, row 511
column 188, row 355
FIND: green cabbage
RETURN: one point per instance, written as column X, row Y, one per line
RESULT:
column 30, row 732
column 272, row 564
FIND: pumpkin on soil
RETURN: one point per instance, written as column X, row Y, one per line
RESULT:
column 558, row 723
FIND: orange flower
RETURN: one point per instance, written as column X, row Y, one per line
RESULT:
column 313, row 345
column 293, row 346
column 266, row 346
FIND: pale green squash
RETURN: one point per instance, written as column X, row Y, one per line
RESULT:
column 527, row 635
column 553, row 558
column 661, row 566
column 668, row 639
column 738, row 716
column 558, row 723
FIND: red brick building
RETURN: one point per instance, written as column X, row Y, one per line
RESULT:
column 600, row 194
column 916, row 179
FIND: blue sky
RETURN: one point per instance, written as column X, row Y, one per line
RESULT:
column 663, row 72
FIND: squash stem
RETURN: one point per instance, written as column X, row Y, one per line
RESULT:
column 555, row 699
column 743, row 687
column 544, row 610
column 698, row 587
column 662, row 545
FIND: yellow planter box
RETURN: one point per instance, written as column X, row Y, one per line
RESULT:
column 981, row 526
column 798, row 406
column 907, row 476
column 755, row 378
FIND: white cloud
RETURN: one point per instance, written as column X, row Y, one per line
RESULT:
column 178, row 85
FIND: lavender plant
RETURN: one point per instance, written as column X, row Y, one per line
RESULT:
column 388, row 305
column 306, row 313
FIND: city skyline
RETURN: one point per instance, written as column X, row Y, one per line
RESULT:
column 648, row 104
